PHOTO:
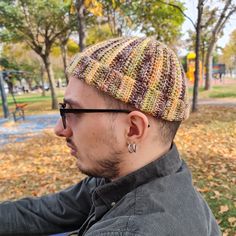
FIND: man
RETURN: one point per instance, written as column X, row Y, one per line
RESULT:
column 123, row 105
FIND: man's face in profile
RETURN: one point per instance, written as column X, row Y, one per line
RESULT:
column 93, row 138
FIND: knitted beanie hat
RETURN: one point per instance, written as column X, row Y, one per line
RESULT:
column 139, row 71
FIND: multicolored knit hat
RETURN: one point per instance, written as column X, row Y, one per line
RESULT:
column 139, row 71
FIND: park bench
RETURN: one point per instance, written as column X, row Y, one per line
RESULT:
column 19, row 112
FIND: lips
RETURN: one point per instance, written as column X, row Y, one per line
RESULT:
column 72, row 147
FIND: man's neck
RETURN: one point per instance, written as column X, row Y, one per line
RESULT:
column 135, row 161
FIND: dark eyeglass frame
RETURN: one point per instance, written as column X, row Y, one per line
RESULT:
column 64, row 110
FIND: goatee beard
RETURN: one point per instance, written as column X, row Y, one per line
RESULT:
column 108, row 168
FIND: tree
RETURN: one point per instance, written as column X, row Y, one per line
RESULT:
column 62, row 51
column 86, row 10
column 150, row 17
column 6, row 65
column 159, row 18
column 208, row 19
column 229, row 53
column 63, row 40
column 22, row 58
column 39, row 23
column 80, row 8
column 228, row 10
column 116, row 16
column 197, row 49
column 209, row 29
column 98, row 33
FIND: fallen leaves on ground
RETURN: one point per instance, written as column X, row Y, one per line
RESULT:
column 37, row 166
column 207, row 142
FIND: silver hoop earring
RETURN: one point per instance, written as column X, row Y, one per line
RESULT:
column 132, row 147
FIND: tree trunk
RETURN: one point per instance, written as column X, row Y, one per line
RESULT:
column 42, row 80
column 197, row 49
column 209, row 59
column 81, row 23
column 29, row 81
column 203, row 62
column 64, row 59
column 226, row 13
column 231, row 73
column 51, row 80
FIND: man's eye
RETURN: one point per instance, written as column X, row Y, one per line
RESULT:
column 67, row 106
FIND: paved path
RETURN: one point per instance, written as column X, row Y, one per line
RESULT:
column 218, row 102
column 11, row 132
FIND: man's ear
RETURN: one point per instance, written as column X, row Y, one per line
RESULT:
column 138, row 126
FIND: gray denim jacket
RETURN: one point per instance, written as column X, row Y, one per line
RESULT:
column 156, row 200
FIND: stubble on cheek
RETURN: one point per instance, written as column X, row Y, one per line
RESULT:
column 103, row 158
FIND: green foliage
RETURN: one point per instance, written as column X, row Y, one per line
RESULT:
column 229, row 52
column 7, row 64
column 56, row 51
column 153, row 17
column 150, row 17
column 98, row 33
column 38, row 22
column 72, row 47
column 21, row 58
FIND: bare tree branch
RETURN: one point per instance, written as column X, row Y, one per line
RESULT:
column 182, row 12
column 212, row 15
column 226, row 19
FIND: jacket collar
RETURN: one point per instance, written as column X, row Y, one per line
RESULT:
column 107, row 195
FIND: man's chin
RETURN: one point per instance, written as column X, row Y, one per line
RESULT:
column 87, row 171
column 84, row 171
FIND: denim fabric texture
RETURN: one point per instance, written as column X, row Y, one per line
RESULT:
column 156, row 200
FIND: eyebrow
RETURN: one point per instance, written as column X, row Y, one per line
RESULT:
column 72, row 102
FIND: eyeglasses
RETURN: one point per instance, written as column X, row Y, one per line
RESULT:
column 64, row 110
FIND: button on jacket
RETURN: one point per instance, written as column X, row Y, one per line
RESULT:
column 156, row 200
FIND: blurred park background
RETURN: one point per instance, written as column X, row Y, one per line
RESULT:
column 38, row 38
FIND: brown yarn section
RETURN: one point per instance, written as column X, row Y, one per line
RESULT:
column 99, row 52
column 140, row 73
column 162, row 85
column 121, row 59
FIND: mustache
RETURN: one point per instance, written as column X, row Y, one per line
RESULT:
column 68, row 140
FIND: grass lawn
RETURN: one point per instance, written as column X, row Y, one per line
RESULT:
column 36, row 103
column 217, row 91
column 206, row 142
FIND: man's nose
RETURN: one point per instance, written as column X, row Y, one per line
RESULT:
column 60, row 131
